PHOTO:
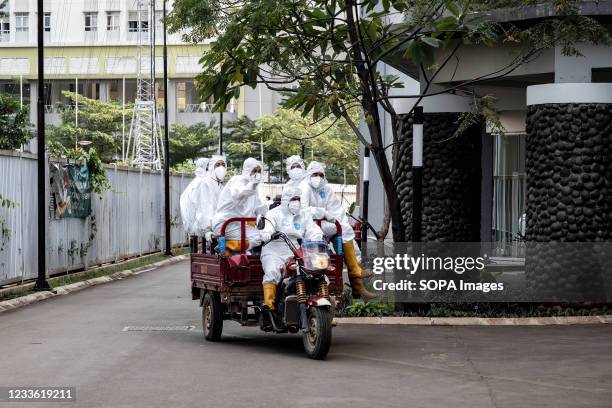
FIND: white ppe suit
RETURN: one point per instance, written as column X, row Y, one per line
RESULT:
column 296, row 175
column 188, row 201
column 207, row 193
column 240, row 199
column 296, row 226
column 322, row 202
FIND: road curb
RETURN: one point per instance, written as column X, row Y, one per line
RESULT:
column 15, row 303
column 478, row 321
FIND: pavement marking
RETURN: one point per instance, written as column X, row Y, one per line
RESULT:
column 157, row 328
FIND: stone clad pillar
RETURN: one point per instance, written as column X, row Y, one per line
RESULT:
column 569, row 190
column 451, row 174
column 569, row 162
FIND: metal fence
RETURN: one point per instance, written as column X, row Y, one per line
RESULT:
column 126, row 220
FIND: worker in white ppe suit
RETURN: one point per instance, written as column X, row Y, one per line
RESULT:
column 292, row 220
column 240, row 199
column 319, row 200
column 188, row 201
column 296, row 170
column 208, row 193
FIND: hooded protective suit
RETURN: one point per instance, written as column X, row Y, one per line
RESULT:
column 189, row 200
column 321, row 202
column 207, row 193
column 239, row 198
column 296, row 224
column 296, row 175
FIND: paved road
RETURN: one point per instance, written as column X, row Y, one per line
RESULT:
column 77, row 340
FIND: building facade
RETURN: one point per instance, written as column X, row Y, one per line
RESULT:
column 92, row 46
column 547, row 176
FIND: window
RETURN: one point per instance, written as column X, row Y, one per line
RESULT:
column 138, row 22
column 47, row 22
column 91, row 21
column 21, row 22
column 159, row 25
column 112, row 21
column 509, row 188
column 5, row 29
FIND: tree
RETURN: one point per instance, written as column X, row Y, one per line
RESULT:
column 15, row 128
column 284, row 132
column 326, row 55
column 187, row 143
column 99, row 122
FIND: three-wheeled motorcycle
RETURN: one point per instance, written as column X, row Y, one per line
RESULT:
column 229, row 287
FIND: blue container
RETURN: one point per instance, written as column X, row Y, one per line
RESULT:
column 221, row 245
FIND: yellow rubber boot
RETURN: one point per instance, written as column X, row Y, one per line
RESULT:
column 269, row 291
column 355, row 273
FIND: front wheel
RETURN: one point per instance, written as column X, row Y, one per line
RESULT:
column 318, row 338
column 212, row 317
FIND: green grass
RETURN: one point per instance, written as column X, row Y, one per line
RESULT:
column 97, row 272
column 486, row 310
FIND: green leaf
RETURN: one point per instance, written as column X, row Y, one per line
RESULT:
column 453, row 9
column 433, row 42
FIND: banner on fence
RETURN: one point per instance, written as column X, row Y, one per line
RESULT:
column 70, row 190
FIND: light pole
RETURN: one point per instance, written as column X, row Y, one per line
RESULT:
column 417, row 173
column 41, row 281
column 221, row 133
column 366, row 198
column 168, row 250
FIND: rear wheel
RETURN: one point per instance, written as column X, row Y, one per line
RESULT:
column 318, row 339
column 212, row 316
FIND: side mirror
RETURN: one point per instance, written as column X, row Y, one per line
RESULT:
column 261, row 222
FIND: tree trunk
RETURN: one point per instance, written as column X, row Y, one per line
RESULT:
column 378, row 152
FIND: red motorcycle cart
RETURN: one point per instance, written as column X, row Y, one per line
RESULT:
column 229, row 287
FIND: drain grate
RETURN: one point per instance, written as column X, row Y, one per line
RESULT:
column 158, row 328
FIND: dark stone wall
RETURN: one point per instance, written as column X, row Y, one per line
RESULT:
column 569, row 173
column 452, row 178
column 569, row 200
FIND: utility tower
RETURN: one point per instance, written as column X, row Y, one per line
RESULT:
column 145, row 139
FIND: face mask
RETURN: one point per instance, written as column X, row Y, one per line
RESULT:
column 296, row 173
column 294, row 207
column 256, row 177
column 315, row 182
column 220, row 172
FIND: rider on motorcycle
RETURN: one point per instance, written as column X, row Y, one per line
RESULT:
column 290, row 219
column 319, row 200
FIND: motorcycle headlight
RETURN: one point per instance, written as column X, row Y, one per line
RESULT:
column 320, row 262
